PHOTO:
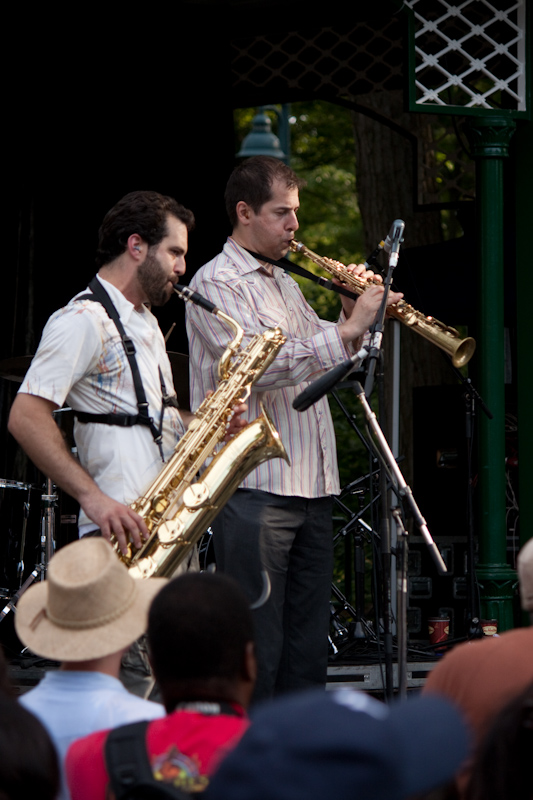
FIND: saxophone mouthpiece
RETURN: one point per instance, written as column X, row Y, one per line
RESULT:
column 296, row 246
column 189, row 296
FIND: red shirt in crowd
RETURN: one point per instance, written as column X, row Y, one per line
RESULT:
column 183, row 748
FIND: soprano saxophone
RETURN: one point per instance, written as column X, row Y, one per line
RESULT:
column 436, row 332
column 178, row 506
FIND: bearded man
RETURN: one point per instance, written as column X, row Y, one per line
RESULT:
column 83, row 360
column 104, row 355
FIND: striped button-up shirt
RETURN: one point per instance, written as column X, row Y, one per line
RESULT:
column 236, row 283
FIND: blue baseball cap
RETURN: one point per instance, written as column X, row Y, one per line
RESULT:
column 343, row 744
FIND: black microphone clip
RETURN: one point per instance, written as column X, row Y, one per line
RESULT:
column 393, row 241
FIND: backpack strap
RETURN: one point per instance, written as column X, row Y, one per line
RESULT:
column 128, row 766
column 100, row 295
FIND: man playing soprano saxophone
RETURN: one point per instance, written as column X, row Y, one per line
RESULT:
column 281, row 515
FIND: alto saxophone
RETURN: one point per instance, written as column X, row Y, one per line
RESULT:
column 436, row 332
column 178, row 506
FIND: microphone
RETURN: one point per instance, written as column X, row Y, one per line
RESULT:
column 322, row 385
column 393, row 241
column 386, row 244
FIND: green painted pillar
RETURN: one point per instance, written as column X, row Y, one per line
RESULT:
column 523, row 180
column 489, row 139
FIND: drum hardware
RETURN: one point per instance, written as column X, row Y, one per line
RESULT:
column 10, row 605
column 26, row 514
column 46, row 540
column 168, row 333
column 6, row 489
column 14, row 369
column 48, row 521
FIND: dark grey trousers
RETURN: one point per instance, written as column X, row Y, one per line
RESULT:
column 290, row 537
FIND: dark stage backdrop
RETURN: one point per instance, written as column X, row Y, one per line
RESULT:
column 93, row 111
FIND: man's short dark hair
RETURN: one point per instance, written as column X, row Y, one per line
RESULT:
column 29, row 765
column 144, row 213
column 252, row 182
column 198, row 627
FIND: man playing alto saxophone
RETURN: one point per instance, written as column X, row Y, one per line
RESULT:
column 281, row 515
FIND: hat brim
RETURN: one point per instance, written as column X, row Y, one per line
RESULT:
column 49, row 640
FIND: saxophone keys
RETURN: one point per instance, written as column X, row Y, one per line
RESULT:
column 168, row 532
column 144, row 568
column 196, row 496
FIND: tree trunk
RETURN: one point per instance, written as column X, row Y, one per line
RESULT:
column 387, row 189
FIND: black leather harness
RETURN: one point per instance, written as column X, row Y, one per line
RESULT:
column 100, row 295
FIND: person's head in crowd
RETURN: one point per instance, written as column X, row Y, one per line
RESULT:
column 28, row 760
column 502, row 768
column 200, row 636
column 89, row 608
column 525, row 577
column 6, row 687
column 345, row 745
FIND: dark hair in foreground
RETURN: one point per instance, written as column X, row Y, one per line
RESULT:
column 502, row 767
column 252, row 182
column 28, row 760
column 198, row 627
column 144, row 213
column 6, row 687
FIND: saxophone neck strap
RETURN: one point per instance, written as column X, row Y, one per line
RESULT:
column 100, row 295
column 288, row 266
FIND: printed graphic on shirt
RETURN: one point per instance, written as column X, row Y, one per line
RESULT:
column 179, row 770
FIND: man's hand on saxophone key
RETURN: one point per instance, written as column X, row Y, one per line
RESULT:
column 236, row 422
column 364, row 274
column 115, row 520
column 360, row 314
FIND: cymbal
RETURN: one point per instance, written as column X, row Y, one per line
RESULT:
column 180, row 372
column 14, row 369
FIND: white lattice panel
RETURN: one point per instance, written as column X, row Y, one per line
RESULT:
column 470, row 54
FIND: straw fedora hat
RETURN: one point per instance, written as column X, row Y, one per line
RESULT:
column 88, row 607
